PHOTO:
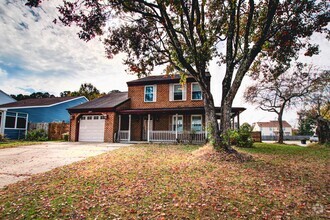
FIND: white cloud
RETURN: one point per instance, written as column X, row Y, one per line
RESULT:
column 51, row 57
column 3, row 74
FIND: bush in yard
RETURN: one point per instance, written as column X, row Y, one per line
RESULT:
column 65, row 136
column 241, row 137
column 2, row 138
column 244, row 136
column 37, row 135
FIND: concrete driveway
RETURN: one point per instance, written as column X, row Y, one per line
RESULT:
column 21, row 162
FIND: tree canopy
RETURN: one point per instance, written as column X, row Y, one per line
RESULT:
column 86, row 89
column 185, row 35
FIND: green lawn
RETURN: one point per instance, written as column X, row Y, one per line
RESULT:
column 178, row 182
column 16, row 143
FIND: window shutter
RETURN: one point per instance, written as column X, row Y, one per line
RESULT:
column 184, row 92
column 171, row 92
column 155, row 93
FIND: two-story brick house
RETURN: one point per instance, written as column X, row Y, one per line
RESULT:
column 155, row 108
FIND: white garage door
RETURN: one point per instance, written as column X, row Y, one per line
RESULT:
column 91, row 128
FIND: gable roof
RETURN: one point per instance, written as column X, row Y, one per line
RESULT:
column 109, row 101
column 161, row 79
column 43, row 102
column 273, row 124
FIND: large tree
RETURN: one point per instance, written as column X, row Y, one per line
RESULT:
column 274, row 92
column 187, row 34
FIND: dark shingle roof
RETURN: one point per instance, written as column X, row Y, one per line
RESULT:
column 160, row 79
column 108, row 101
column 37, row 102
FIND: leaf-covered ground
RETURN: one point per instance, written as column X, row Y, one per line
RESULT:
column 178, row 182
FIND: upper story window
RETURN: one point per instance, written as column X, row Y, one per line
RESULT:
column 196, row 93
column 177, row 92
column 150, row 93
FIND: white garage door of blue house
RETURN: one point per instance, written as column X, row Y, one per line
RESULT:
column 91, row 128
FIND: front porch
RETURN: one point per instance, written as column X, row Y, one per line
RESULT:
column 182, row 125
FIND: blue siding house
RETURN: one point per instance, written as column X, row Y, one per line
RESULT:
column 14, row 117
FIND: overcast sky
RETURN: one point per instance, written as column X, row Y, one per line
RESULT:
column 37, row 55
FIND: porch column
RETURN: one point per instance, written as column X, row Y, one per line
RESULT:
column 233, row 123
column 238, row 124
column 119, row 127
column 129, row 127
column 148, row 127
column 3, row 122
column 176, row 126
column 119, row 124
column 205, row 130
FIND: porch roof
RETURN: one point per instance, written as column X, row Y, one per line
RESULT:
column 191, row 110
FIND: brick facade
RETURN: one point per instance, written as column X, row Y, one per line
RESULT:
column 161, row 121
column 136, row 93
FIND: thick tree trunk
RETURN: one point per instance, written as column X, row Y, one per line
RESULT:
column 225, row 124
column 280, row 125
column 323, row 130
column 211, row 124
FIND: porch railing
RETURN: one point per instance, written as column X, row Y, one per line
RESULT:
column 123, row 135
column 169, row 136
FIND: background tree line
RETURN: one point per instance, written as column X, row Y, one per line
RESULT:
column 86, row 89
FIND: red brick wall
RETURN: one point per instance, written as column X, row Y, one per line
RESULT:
column 136, row 93
column 74, row 126
column 136, row 127
column 162, row 122
column 110, row 127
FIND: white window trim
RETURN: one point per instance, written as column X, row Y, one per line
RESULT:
column 16, row 117
column 184, row 92
column 154, row 95
column 173, row 122
column 192, row 123
column 192, row 84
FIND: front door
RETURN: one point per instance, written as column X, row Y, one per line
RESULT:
column 145, row 127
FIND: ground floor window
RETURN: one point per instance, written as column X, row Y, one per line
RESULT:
column 177, row 121
column 16, row 120
column 196, row 123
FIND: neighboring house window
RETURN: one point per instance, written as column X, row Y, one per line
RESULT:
column 10, row 121
column 196, row 93
column 196, row 122
column 21, row 120
column 179, row 123
column 177, row 92
column 150, row 93
column 16, row 120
